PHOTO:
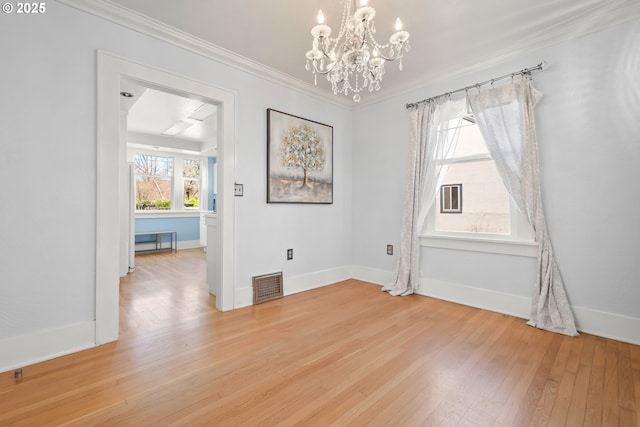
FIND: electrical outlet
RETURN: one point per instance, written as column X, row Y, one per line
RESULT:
column 389, row 249
column 289, row 254
column 238, row 190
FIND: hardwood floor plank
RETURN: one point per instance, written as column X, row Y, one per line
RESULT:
column 595, row 391
column 566, row 387
column 610, row 411
column 626, row 394
column 343, row 354
column 536, row 385
column 578, row 404
column 550, row 389
column 636, row 389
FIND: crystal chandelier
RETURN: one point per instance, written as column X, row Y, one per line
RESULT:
column 354, row 60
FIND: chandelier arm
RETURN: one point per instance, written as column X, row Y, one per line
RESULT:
column 364, row 39
column 321, row 45
column 392, row 58
column 374, row 41
column 322, row 73
column 324, row 52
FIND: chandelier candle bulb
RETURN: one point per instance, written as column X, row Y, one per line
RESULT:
column 355, row 60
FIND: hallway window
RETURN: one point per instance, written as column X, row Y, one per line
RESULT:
column 154, row 182
column 191, row 183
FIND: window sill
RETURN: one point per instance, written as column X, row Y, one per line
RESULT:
column 169, row 214
column 495, row 246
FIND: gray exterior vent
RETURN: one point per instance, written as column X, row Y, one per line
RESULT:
column 267, row 287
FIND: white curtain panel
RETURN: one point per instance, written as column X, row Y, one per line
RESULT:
column 506, row 120
column 433, row 133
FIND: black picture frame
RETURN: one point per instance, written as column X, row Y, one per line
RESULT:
column 299, row 159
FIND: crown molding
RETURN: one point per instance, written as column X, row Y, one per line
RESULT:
column 135, row 21
column 580, row 26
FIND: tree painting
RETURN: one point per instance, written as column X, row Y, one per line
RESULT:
column 299, row 159
column 302, row 148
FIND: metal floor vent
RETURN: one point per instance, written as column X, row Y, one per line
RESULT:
column 267, row 287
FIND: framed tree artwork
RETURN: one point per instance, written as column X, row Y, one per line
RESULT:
column 299, row 160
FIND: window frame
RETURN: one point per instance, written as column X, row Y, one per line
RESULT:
column 177, row 186
column 451, row 210
column 168, row 177
column 199, row 180
column 520, row 241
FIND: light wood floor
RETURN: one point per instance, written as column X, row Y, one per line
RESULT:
column 345, row 354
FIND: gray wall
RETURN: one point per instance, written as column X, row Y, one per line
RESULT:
column 48, row 161
column 589, row 137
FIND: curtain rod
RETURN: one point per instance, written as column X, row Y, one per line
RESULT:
column 525, row 71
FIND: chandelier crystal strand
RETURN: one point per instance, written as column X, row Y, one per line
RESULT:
column 354, row 52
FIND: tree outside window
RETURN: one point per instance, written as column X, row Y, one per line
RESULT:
column 191, row 183
column 154, row 180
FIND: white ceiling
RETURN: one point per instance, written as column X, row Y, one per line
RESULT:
column 448, row 37
column 152, row 113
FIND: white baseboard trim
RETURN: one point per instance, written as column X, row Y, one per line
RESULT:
column 180, row 244
column 188, row 244
column 305, row 282
column 23, row 350
column 513, row 305
column 608, row 325
column 372, row 275
column 295, row 284
column 588, row 320
column 243, row 297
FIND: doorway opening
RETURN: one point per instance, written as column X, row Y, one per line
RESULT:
column 113, row 210
column 171, row 152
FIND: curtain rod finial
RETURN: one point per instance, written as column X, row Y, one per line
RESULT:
column 544, row 65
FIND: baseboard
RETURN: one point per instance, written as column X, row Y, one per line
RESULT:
column 295, row 284
column 372, row 275
column 180, row 244
column 588, row 320
column 608, row 325
column 24, row 350
column 243, row 297
column 305, row 282
column 513, row 305
column 188, row 244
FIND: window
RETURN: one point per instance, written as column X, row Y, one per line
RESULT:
column 154, row 182
column 191, row 183
column 451, row 198
column 488, row 214
column 168, row 184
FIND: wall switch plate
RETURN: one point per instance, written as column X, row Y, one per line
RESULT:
column 389, row 249
column 238, row 190
column 289, row 254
